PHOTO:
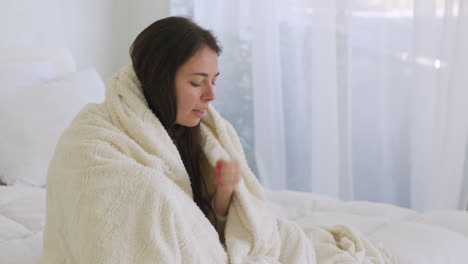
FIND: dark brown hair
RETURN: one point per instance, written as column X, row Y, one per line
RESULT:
column 157, row 53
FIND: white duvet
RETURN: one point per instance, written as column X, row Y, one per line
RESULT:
column 429, row 238
column 22, row 217
column 411, row 237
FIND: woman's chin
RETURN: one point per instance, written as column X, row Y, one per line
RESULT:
column 190, row 123
column 193, row 125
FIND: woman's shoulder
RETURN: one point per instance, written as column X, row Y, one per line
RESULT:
column 93, row 121
column 90, row 131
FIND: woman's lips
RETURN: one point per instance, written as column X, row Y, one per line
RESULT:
column 200, row 113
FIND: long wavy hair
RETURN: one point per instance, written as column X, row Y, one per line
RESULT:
column 157, row 53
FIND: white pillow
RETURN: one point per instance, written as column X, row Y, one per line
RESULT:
column 21, row 73
column 61, row 59
column 33, row 118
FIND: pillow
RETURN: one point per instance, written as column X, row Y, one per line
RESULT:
column 61, row 59
column 34, row 117
column 21, row 73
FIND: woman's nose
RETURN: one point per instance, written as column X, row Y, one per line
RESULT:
column 209, row 94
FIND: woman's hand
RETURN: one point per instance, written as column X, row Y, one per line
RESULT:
column 227, row 174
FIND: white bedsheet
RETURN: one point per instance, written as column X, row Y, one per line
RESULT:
column 22, row 218
column 413, row 238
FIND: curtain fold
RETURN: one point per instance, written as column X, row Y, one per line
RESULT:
column 353, row 99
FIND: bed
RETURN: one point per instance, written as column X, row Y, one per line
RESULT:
column 413, row 238
column 34, row 126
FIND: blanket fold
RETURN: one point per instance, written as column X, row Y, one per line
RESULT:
column 118, row 192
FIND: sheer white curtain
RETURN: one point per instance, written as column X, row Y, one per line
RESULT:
column 364, row 99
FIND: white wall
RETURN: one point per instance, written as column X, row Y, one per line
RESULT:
column 98, row 32
column 143, row 13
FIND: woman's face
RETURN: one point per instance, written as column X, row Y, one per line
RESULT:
column 194, row 83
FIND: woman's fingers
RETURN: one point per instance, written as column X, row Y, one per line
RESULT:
column 227, row 173
column 218, row 171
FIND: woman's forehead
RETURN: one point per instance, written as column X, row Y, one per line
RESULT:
column 205, row 61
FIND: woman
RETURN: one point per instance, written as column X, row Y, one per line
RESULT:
column 180, row 97
column 131, row 178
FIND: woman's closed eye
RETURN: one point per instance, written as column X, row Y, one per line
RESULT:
column 194, row 84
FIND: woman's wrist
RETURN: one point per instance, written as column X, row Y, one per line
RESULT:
column 222, row 200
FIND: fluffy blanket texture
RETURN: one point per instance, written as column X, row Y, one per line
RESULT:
column 118, row 192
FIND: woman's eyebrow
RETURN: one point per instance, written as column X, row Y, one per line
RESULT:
column 203, row 74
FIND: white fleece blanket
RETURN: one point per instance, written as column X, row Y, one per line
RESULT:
column 117, row 192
